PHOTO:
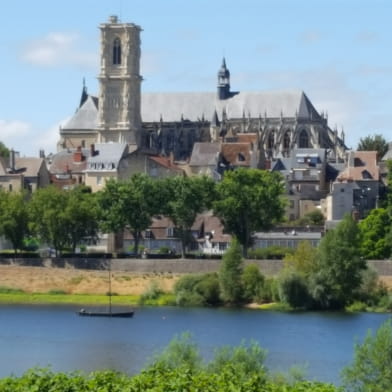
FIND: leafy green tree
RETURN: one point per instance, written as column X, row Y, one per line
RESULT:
column 81, row 213
column 376, row 142
column 230, row 274
column 339, row 266
column 129, row 204
column 374, row 230
column 62, row 219
column 48, row 218
column 13, row 218
column 187, row 197
column 4, row 151
column 253, row 282
column 249, row 200
column 371, row 369
column 303, row 259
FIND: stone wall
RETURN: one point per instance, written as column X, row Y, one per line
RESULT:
column 180, row 266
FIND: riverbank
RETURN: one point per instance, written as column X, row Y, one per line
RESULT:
column 42, row 285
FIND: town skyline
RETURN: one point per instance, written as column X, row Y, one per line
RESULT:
column 335, row 53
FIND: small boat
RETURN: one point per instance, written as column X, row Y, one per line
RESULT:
column 110, row 312
column 84, row 312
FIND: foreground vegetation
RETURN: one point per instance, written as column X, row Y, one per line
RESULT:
column 180, row 368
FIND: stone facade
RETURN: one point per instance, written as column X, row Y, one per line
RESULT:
column 119, row 82
column 171, row 123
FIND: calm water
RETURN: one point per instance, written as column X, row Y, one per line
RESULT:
column 47, row 335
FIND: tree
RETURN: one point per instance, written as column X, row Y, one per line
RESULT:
column 303, row 260
column 339, row 266
column 249, row 200
column 48, row 218
column 129, row 204
column 187, row 197
column 4, row 151
column 230, row 274
column 81, row 213
column 13, row 218
column 371, row 369
column 374, row 230
column 373, row 143
column 62, row 219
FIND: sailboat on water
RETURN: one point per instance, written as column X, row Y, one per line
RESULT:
column 109, row 312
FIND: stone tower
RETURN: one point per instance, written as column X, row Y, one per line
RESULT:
column 119, row 112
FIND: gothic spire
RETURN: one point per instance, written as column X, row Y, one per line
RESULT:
column 84, row 96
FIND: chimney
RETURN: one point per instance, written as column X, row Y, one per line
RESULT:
column 12, row 160
column 78, row 155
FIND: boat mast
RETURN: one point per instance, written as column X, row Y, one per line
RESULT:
column 110, row 286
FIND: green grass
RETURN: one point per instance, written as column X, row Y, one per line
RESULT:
column 278, row 306
column 54, row 298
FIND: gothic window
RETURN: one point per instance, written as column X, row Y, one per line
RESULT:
column 303, row 139
column 271, row 140
column 117, row 52
column 286, row 140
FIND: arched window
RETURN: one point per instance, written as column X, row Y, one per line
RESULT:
column 271, row 140
column 286, row 140
column 303, row 139
column 117, row 52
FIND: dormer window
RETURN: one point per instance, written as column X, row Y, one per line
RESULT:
column 117, row 52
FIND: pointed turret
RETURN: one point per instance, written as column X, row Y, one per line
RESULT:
column 223, row 81
column 84, row 96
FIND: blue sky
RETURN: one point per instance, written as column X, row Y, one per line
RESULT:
column 337, row 51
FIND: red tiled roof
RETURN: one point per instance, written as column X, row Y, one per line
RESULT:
column 237, row 154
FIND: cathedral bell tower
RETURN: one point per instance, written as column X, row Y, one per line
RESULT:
column 119, row 118
column 223, row 81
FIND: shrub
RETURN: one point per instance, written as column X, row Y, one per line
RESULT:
column 271, row 252
column 293, row 289
column 153, row 292
column 245, row 359
column 252, row 281
column 269, row 291
column 371, row 368
column 181, row 351
column 197, row 290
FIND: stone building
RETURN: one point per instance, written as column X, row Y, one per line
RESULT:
column 162, row 124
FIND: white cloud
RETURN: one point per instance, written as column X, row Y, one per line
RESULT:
column 10, row 131
column 57, row 49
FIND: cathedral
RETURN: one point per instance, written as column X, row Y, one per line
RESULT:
column 164, row 124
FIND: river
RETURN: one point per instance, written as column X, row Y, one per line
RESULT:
column 55, row 336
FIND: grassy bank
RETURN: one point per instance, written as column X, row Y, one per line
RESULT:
column 10, row 297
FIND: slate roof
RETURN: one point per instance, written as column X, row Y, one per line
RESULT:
column 86, row 117
column 205, row 154
column 192, row 105
column 107, row 156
